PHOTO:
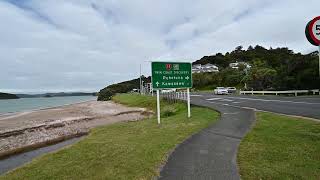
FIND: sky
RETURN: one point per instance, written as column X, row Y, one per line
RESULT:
column 85, row 45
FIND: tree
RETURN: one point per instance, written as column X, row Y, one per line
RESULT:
column 261, row 78
column 239, row 48
column 273, row 68
column 106, row 93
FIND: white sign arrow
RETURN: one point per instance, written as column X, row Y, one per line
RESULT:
column 157, row 83
column 187, row 78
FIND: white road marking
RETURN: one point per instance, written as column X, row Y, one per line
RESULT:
column 273, row 100
column 213, row 99
column 254, row 109
column 228, row 100
column 220, row 99
column 233, row 106
column 236, row 102
column 195, row 95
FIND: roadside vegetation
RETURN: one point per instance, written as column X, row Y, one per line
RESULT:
column 132, row 150
column 272, row 69
column 106, row 93
column 281, row 147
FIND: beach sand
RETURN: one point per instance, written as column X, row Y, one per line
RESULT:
column 26, row 130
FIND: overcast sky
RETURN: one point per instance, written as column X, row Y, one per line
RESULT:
column 85, row 45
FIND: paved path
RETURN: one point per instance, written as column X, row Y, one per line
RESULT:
column 211, row 154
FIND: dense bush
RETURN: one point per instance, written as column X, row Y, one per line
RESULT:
column 106, row 93
column 226, row 77
column 278, row 68
column 168, row 111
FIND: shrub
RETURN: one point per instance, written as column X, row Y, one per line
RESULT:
column 105, row 94
column 168, row 111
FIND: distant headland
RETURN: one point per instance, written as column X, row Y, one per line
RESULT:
column 60, row 94
column 8, row 96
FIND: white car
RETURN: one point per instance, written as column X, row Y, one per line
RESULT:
column 232, row 90
column 220, row 90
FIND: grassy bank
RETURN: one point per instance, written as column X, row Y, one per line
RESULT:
column 133, row 150
column 281, row 147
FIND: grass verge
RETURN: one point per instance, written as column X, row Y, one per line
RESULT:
column 281, row 147
column 133, row 150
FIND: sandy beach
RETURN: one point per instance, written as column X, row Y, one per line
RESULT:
column 30, row 129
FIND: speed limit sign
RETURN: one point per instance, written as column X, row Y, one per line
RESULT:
column 313, row 34
column 313, row 31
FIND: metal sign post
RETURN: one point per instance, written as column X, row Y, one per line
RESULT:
column 188, row 101
column 171, row 75
column 158, row 105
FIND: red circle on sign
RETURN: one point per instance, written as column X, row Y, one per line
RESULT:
column 314, row 38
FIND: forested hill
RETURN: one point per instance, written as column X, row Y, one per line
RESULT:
column 123, row 87
column 60, row 94
column 271, row 69
column 8, row 96
column 271, row 57
column 278, row 68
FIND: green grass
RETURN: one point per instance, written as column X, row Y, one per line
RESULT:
column 133, row 150
column 281, row 147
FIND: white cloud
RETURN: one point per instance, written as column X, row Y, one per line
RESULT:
column 50, row 45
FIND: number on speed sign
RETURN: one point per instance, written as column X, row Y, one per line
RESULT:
column 313, row 31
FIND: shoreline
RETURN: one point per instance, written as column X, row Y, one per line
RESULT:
column 21, row 132
column 31, row 147
column 45, row 108
column 12, row 162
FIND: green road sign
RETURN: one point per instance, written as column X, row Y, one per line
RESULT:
column 171, row 75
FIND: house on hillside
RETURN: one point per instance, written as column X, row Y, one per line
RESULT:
column 198, row 68
column 236, row 65
column 210, row 68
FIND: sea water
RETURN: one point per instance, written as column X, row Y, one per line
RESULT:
column 26, row 104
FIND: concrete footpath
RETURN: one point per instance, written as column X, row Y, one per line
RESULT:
column 212, row 153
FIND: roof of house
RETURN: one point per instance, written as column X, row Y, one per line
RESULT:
column 210, row 65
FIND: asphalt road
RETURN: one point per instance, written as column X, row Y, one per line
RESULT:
column 212, row 153
column 307, row 106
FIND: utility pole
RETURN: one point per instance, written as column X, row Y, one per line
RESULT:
column 140, row 81
column 142, row 87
